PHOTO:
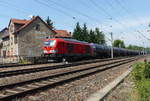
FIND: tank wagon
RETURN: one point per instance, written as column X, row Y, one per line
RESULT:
column 59, row 48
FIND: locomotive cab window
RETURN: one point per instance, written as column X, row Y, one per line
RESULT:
column 50, row 43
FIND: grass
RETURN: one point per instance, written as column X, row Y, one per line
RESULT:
column 141, row 78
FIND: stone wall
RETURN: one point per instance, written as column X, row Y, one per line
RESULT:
column 30, row 40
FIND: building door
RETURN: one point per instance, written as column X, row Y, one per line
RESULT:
column 4, row 53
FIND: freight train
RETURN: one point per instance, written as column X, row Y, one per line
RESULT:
column 59, row 48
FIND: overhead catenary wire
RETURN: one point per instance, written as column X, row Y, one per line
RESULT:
column 107, row 13
column 57, row 9
column 78, row 12
column 128, row 12
column 74, row 10
column 7, row 4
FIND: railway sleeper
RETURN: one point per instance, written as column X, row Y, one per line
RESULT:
column 58, row 79
column 32, row 86
column 22, row 88
column 40, row 84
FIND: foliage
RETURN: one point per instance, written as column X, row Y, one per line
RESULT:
column 147, row 71
column 77, row 32
column 91, row 36
column 119, row 43
column 141, row 76
column 50, row 23
column 138, row 71
column 85, row 34
column 134, row 47
column 100, row 37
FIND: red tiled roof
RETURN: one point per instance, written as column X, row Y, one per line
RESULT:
column 18, row 21
column 30, row 21
column 62, row 33
column 25, row 23
column 21, row 22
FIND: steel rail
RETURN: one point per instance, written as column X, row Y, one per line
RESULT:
column 39, row 69
column 30, row 86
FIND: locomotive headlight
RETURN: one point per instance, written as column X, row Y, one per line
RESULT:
column 45, row 51
column 53, row 51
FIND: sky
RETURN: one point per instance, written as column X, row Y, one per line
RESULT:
column 128, row 20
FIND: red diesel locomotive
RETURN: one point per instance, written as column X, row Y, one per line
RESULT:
column 59, row 48
column 70, row 49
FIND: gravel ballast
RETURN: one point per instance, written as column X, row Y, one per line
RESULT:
column 78, row 90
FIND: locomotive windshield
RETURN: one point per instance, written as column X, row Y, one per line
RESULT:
column 49, row 43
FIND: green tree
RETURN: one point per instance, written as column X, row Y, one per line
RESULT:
column 134, row 47
column 50, row 23
column 77, row 32
column 85, row 34
column 92, row 37
column 119, row 43
column 100, row 37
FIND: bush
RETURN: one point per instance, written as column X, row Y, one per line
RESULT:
column 141, row 76
column 147, row 71
column 138, row 71
column 144, row 90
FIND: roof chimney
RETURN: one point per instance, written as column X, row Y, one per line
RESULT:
column 31, row 16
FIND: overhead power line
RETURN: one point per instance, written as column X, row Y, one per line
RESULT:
column 107, row 13
column 15, row 7
column 128, row 12
column 75, row 11
column 57, row 9
column 143, row 35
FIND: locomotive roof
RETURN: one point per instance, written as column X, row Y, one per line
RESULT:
column 73, row 40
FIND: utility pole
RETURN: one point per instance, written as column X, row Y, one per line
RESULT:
column 112, row 53
column 143, row 49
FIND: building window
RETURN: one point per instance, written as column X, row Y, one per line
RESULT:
column 15, row 39
column 37, row 27
column 4, row 53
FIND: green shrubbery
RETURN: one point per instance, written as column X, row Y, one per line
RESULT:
column 147, row 71
column 141, row 76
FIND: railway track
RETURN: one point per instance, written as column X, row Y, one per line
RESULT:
column 31, row 64
column 10, row 91
column 28, row 64
column 8, row 73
